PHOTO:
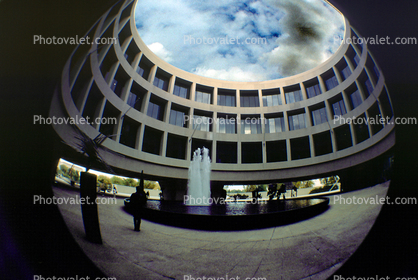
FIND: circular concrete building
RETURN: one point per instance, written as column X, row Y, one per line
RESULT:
column 155, row 115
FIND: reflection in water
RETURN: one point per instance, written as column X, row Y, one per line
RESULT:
column 234, row 208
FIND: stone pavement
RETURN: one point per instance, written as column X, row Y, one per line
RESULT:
column 310, row 249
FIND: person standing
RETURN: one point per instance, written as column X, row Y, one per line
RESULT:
column 138, row 200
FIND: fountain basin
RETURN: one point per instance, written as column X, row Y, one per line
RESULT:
column 237, row 215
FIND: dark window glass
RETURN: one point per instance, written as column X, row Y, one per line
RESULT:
column 361, row 129
column 343, row 137
column 322, row 143
column 276, row 151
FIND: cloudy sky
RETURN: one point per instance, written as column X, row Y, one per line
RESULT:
column 291, row 36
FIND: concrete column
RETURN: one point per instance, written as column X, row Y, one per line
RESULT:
column 193, row 91
column 126, row 89
column 118, row 128
column 303, row 89
column 311, row 145
column 288, row 150
column 136, row 61
column 152, row 73
column 322, row 84
column 140, row 136
column 171, row 84
column 215, row 96
column 81, row 102
column 337, row 74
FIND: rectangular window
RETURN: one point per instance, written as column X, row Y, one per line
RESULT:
column 368, row 87
column 313, row 91
column 177, row 118
column 203, row 97
column 250, row 125
column 202, row 123
column 319, row 116
column 346, row 72
column 355, row 99
column 155, row 111
column 272, row 100
column 297, row 121
column 226, row 99
column 275, row 125
column 293, row 96
column 331, row 83
column 357, row 59
column 161, row 82
column 249, row 101
column 338, row 108
column 181, row 91
column 226, row 125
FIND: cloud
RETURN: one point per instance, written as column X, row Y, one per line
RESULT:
column 297, row 35
column 232, row 74
column 308, row 36
column 160, row 51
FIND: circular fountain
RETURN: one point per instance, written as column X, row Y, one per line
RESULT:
column 201, row 211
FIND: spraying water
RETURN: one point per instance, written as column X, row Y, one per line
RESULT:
column 198, row 186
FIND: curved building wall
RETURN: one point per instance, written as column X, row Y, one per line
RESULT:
column 255, row 131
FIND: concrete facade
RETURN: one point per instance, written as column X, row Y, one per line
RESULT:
column 110, row 81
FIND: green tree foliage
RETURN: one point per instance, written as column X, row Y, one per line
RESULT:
column 74, row 175
column 303, row 184
column 130, row 182
column 250, row 188
column 116, row 180
column 152, row 185
column 103, row 179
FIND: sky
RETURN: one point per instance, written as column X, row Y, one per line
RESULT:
column 209, row 38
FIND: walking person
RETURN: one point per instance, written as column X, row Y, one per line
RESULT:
column 138, row 200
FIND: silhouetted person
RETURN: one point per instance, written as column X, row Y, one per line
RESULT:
column 138, row 200
column 272, row 191
column 282, row 190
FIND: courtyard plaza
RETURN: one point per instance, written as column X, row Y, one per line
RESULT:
column 311, row 249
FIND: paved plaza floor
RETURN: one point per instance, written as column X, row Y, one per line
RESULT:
column 310, row 249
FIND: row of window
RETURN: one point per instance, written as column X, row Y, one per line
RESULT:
column 251, row 152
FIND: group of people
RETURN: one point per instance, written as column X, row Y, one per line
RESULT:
column 272, row 191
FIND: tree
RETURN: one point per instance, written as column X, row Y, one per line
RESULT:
column 116, row 180
column 250, row 188
column 130, row 182
column 151, row 185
